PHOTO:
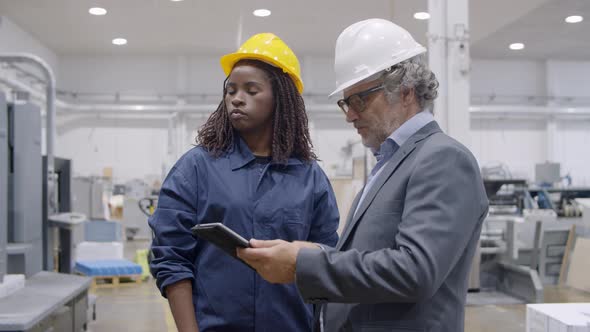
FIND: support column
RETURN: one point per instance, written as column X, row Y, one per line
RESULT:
column 552, row 90
column 171, row 146
column 551, row 139
column 182, row 77
column 448, row 56
column 181, row 143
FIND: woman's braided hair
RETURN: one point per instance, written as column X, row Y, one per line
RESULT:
column 290, row 137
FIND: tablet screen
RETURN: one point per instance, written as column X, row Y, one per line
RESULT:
column 222, row 237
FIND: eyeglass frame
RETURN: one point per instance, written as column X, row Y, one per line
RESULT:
column 345, row 102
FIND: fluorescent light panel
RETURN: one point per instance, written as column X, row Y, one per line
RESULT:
column 120, row 41
column 98, row 11
column 421, row 16
column 516, row 46
column 574, row 19
column 261, row 12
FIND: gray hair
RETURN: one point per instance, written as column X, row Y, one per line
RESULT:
column 411, row 74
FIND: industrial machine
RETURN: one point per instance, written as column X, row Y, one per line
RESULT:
column 48, row 301
column 496, row 262
column 3, row 184
column 89, row 196
column 25, row 205
column 547, row 173
column 506, row 196
column 138, row 204
column 148, row 205
column 564, row 200
column 522, row 240
column 554, row 193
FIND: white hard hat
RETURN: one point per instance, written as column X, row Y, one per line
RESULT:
column 368, row 47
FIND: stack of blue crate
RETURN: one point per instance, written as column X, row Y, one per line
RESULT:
column 104, row 268
column 105, row 238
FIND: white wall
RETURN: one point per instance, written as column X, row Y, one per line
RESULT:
column 329, row 137
column 143, row 75
column 568, row 78
column 168, row 74
column 14, row 39
column 517, row 143
column 573, row 138
column 136, row 148
column 522, row 143
column 508, row 78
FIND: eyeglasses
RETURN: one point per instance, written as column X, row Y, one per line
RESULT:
column 357, row 100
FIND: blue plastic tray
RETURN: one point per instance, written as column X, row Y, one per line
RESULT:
column 113, row 267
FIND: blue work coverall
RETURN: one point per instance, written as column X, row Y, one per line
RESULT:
column 256, row 199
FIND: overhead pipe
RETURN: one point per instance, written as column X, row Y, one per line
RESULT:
column 50, row 117
column 92, row 108
column 527, row 112
column 324, row 109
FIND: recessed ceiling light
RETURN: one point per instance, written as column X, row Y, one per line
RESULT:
column 176, row 0
column 574, row 19
column 119, row 41
column 97, row 11
column 261, row 12
column 421, row 15
column 516, row 46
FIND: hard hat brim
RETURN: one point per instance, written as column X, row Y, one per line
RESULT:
column 348, row 84
column 228, row 62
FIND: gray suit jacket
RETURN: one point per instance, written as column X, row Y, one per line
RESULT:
column 402, row 262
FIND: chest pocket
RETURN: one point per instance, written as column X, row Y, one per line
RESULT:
column 285, row 224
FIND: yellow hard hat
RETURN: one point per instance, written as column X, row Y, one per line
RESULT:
column 269, row 48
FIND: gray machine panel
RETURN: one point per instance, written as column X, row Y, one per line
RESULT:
column 45, row 294
column 25, row 192
column 87, row 197
column 3, row 183
column 547, row 172
column 81, row 188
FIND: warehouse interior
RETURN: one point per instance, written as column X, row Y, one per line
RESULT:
column 100, row 98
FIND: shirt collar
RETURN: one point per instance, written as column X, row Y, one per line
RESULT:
column 404, row 132
column 240, row 155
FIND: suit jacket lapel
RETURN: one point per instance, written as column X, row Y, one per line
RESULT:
column 388, row 170
column 355, row 202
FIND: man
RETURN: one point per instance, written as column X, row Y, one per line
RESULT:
column 403, row 260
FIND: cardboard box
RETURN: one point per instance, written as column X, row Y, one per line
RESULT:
column 558, row 317
column 93, row 251
column 578, row 275
column 107, row 172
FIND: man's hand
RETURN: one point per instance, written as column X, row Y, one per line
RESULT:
column 274, row 260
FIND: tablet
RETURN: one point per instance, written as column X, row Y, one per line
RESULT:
column 222, row 237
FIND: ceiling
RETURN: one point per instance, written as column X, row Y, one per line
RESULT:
column 310, row 27
column 189, row 26
column 544, row 33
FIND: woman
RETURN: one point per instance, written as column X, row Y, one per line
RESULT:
column 253, row 170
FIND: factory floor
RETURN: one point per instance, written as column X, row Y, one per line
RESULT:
column 131, row 307
column 512, row 317
column 140, row 308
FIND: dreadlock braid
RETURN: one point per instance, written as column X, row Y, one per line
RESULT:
column 290, row 138
column 216, row 134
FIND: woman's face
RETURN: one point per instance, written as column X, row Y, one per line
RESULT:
column 249, row 99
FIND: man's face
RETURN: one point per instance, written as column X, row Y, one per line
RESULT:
column 379, row 118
